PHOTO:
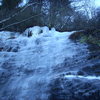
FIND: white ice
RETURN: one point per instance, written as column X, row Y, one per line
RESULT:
column 82, row 77
column 38, row 54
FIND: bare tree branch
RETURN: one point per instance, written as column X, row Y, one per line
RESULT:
column 25, row 7
column 20, row 22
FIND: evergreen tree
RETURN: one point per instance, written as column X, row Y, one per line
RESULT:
column 10, row 4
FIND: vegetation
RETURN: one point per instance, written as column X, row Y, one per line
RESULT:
column 92, row 38
column 64, row 15
column 10, row 4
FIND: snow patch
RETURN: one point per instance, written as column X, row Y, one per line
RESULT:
column 82, row 77
column 6, row 35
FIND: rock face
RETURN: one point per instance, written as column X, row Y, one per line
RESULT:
column 78, row 85
column 75, row 89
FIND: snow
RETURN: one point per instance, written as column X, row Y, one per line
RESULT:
column 97, row 3
column 6, row 34
column 23, row 3
column 82, row 77
column 36, row 31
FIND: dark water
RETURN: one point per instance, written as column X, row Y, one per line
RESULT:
column 46, row 66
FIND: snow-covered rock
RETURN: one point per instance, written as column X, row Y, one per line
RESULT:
column 36, row 30
column 8, row 35
column 33, row 31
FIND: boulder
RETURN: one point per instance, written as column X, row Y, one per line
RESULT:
column 76, row 35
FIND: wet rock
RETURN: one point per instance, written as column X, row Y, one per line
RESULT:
column 80, row 73
column 15, row 49
column 94, row 48
column 29, row 71
column 8, row 95
column 75, row 89
column 4, row 76
column 12, row 38
column 1, row 48
column 7, row 65
column 9, row 49
column 76, row 35
column 94, row 55
column 92, row 70
column 29, row 33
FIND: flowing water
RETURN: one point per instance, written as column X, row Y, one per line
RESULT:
column 29, row 65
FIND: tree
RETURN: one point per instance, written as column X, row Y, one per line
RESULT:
column 10, row 4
